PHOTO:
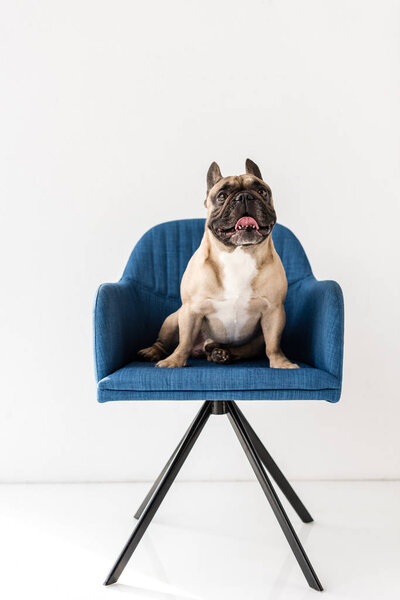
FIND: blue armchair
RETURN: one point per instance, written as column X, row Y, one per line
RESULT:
column 127, row 317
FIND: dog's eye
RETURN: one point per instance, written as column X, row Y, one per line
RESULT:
column 263, row 192
column 221, row 196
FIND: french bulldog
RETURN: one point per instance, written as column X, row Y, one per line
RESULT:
column 234, row 287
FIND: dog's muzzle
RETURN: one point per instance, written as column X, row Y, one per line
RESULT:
column 246, row 220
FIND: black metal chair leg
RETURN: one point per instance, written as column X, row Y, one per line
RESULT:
column 161, row 475
column 274, row 470
column 159, row 493
column 272, row 497
column 153, row 487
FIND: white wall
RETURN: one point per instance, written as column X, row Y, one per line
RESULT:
column 110, row 115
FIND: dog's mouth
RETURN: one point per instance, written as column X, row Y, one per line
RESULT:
column 245, row 224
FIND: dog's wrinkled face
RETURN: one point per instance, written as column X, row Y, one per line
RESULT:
column 240, row 209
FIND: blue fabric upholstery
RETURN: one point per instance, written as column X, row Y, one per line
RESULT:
column 128, row 315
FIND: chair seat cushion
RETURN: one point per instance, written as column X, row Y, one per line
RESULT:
column 203, row 380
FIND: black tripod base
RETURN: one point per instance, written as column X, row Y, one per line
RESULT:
column 261, row 462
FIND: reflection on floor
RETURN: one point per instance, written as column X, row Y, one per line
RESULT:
column 209, row 541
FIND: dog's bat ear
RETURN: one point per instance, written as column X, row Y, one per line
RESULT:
column 252, row 168
column 213, row 175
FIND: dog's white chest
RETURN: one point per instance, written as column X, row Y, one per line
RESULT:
column 232, row 311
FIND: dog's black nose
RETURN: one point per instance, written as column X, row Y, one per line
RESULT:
column 243, row 197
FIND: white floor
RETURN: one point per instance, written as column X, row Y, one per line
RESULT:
column 209, row 541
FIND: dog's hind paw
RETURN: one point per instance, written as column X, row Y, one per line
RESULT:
column 152, row 353
column 220, row 355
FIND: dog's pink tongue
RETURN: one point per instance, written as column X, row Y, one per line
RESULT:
column 246, row 222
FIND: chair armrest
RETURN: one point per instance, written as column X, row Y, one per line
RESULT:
column 315, row 324
column 118, row 325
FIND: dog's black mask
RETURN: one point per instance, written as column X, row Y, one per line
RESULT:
column 241, row 208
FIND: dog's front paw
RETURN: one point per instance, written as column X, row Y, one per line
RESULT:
column 152, row 353
column 280, row 361
column 171, row 362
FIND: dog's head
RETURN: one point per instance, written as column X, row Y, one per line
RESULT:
column 240, row 209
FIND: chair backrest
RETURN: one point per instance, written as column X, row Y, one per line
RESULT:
column 159, row 259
